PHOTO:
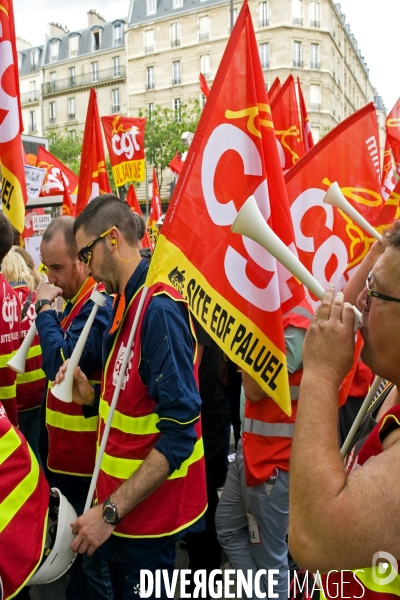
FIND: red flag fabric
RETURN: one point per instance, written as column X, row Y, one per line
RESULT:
column 68, row 208
column 155, row 211
column 393, row 134
column 57, row 174
column 93, row 179
column 274, row 89
column 388, row 181
column 176, row 164
column 125, row 143
column 234, row 287
column 204, row 85
column 329, row 244
column 14, row 195
column 285, row 116
column 308, row 141
column 133, row 202
column 390, row 210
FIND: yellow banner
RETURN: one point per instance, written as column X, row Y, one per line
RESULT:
column 133, row 170
column 239, row 338
column 12, row 198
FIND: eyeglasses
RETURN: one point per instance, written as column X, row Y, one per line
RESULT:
column 85, row 253
column 377, row 294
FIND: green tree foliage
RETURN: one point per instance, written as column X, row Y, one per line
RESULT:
column 164, row 129
column 65, row 148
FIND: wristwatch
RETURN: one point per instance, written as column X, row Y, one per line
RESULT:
column 40, row 303
column 110, row 513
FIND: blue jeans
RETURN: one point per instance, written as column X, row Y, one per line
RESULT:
column 118, row 562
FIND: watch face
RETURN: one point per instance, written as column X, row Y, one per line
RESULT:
column 109, row 515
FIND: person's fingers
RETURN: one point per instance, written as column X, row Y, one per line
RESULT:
column 324, row 309
column 348, row 316
column 337, row 307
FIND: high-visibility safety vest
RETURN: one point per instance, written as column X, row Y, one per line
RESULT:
column 181, row 499
column 31, row 384
column 268, row 431
column 368, row 577
column 10, row 311
column 72, row 438
column 24, row 501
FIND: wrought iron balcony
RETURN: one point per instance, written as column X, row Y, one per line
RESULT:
column 315, row 106
column 30, row 97
column 314, row 65
column 150, row 85
column 263, row 22
column 297, row 63
column 204, row 36
column 176, row 42
column 32, row 128
column 86, row 80
column 315, row 23
column 265, row 64
column 297, row 21
column 176, row 80
column 115, row 108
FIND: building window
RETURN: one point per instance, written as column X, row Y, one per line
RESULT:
column 315, row 19
column 19, row 60
column 117, row 34
column 176, row 34
column 150, row 78
column 71, row 109
column 96, row 39
column 178, row 109
column 177, row 3
column 34, row 60
column 314, row 56
column 115, row 100
column 151, row 7
column 52, row 81
column 73, row 45
column 52, row 112
column 205, row 65
column 72, row 135
column 150, row 110
column 176, row 72
column 263, row 14
column 204, row 28
column 54, row 49
column 264, row 55
column 203, row 100
column 297, row 12
column 32, row 121
column 72, row 77
column 149, row 40
column 95, row 71
column 32, row 91
column 297, row 54
column 315, row 97
column 116, row 67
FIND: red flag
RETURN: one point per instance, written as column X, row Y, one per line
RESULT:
column 274, row 89
column 176, row 164
column 132, row 201
column 390, row 210
column 393, row 134
column 14, row 195
column 204, row 85
column 234, row 287
column 93, row 179
column 125, row 143
column 285, row 115
column 308, row 141
column 57, row 174
column 68, row 208
column 388, row 181
column 155, row 211
column 329, row 244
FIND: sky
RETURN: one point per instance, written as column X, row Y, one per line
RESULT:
column 374, row 24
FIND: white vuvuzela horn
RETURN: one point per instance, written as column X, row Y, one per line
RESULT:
column 250, row 222
column 18, row 361
column 334, row 197
column 63, row 390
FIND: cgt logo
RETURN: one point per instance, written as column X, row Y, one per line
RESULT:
column 384, row 568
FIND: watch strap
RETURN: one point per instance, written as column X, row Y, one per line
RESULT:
column 40, row 303
column 108, row 503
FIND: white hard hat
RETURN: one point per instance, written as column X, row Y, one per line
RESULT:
column 160, row 221
column 59, row 554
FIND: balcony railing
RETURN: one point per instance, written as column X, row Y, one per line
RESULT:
column 265, row 64
column 52, row 120
column 85, row 80
column 149, row 48
column 297, row 21
column 315, row 23
column 297, row 63
column 176, row 80
column 175, row 42
column 29, row 97
column 115, row 108
column 150, row 85
column 263, row 22
column 314, row 65
column 315, row 106
column 32, row 127
column 34, row 67
column 205, row 35
column 71, row 117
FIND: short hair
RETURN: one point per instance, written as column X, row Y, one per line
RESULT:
column 25, row 255
column 14, row 269
column 104, row 212
column 6, row 235
column 391, row 236
column 65, row 226
column 140, row 225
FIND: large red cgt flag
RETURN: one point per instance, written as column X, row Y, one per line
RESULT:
column 308, row 141
column 133, row 202
column 388, row 180
column 93, row 178
column 234, row 287
column 329, row 244
column 285, row 115
column 393, row 134
column 14, row 195
column 274, row 89
column 125, row 143
column 57, row 174
column 155, row 211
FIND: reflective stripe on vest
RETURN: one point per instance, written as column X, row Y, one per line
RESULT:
column 4, row 358
column 123, row 468
column 268, row 429
column 31, row 376
column 300, row 310
column 8, row 391
column 135, row 425
column 365, row 576
column 70, row 422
